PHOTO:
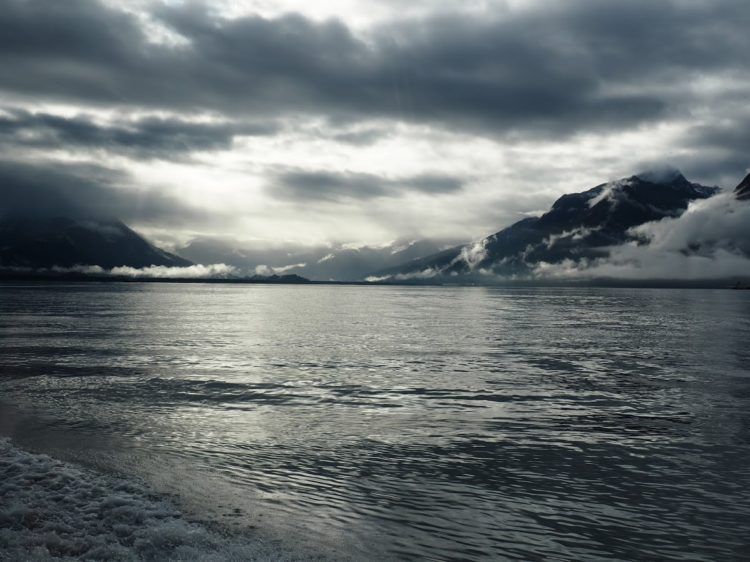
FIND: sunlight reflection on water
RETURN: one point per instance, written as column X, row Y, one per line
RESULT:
column 404, row 422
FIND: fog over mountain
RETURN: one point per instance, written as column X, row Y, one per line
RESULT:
column 334, row 262
column 654, row 225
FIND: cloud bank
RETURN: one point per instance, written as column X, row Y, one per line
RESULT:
column 337, row 186
column 74, row 189
column 711, row 240
column 212, row 271
column 551, row 66
column 364, row 122
column 141, row 138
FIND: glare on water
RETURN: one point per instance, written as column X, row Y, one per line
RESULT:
column 403, row 422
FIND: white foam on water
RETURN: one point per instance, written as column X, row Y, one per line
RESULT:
column 52, row 510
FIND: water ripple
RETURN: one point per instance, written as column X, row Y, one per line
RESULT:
column 404, row 423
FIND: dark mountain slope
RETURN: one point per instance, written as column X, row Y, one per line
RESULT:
column 579, row 225
column 45, row 242
column 742, row 191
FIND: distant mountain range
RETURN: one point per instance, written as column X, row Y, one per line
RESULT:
column 322, row 262
column 34, row 242
column 578, row 226
column 63, row 242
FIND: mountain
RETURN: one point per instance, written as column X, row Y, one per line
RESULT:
column 280, row 279
column 578, row 226
column 45, row 242
column 323, row 262
column 348, row 264
column 742, row 191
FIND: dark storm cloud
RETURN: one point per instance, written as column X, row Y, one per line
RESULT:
column 555, row 69
column 721, row 150
column 144, row 138
column 83, row 190
column 360, row 138
column 299, row 185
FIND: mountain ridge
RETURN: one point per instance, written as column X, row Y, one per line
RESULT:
column 742, row 191
column 332, row 262
column 65, row 242
column 578, row 226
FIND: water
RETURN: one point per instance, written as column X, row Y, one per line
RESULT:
column 402, row 422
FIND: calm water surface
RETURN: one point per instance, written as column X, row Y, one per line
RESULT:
column 402, row 422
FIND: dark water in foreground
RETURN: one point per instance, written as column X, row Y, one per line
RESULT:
column 402, row 422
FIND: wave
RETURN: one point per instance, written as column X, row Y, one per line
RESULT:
column 50, row 509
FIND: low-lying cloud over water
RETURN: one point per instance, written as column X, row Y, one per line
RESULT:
column 213, row 271
column 219, row 270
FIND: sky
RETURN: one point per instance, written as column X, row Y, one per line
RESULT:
column 352, row 121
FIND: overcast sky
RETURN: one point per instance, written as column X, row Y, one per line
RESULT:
column 358, row 121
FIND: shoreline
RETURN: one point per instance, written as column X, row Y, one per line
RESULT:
column 52, row 509
column 725, row 284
